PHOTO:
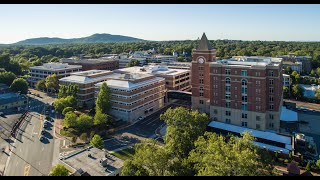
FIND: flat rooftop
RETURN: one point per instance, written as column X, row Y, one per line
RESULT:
column 129, row 80
column 250, row 61
column 255, row 133
column 55, row 66
column 153, row 69
column 85, row 77
column 88, row 61
column 91, row 164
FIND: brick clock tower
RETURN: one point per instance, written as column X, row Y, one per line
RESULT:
column 200, row 75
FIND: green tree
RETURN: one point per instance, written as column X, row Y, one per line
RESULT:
column 92, row 133
column 133, row 62
column 214, row 155
column 7, row 78
column 59, row 170
column 313, row 73
column 297, row 78
column 308, row 167
column 19, row 84
column 288, row 70
column 183, row 128
column 84, row 137
column 318, row 71
column 62, row 92
column 66, row 110
column 84, row 122
column 318, row 163
column 131, row 169
column 149, row 159
column 62, row 103
column 52, row 82
column 297, row 91
column 97, row 142
column 70, row 120
column 103, row 103
column 317, row 94
column 41, row 85
column 100, row 118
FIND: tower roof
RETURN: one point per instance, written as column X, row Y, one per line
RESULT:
column 204, row 43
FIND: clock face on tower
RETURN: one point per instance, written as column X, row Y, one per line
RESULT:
column 201, row 60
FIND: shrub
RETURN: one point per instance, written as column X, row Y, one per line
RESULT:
column 308, row 167
column 84, row 137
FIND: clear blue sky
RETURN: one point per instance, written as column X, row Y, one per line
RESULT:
column 161, row 22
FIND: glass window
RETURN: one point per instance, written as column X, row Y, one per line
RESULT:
column 228, row 89
column 257, row 126
column 228, row 104
column 271, row 116
column 228, row 96
column 244, row 107
column 244, row 98
column 244, row 73
column 228, row 81
column 228, row 72
column 244, row 116
column 201, row 93
column 244, row 124
column 270, row 73
column 271, row 107
column 271, row 82
column 228, row 113
column 257, row 118
column 201, row 101
column 228, row 121
column 244, row 90
column 244, row 82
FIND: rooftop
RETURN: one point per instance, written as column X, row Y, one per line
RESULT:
column 250, row 61
column 153, row 69
column 85, row 77
column 88, row 61
column 129, row 81
column 259, row 134
column 55, row 66
column 204, row 44
column 95, row 164
column 288, row 115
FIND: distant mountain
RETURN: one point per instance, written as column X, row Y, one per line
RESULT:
column 95, row 38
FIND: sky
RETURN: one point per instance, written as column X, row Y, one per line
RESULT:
column 161, row 22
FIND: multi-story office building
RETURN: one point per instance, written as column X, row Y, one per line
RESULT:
column 177, row 65
column 94, row 64
column 241, row 93
column 123, row 61
column 134, row 95
column 295, row 66
column 304, row 62
column 286, row 80
column 60, row 69
column 86, row 81
column 163, row 58
column 176, row 79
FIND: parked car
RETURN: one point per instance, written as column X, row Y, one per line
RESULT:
column 140, row 118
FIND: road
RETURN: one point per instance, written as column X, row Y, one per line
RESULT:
column 32, row 157
column 138, row 131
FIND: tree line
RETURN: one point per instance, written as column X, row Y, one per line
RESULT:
column 18, row 59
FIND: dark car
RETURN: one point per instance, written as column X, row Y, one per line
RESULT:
column 42, row 138
column 43, row 132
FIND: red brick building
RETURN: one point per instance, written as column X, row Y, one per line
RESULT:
column 242, row 91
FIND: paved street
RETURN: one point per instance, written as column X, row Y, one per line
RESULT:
column 31, row 157
column 135, row 133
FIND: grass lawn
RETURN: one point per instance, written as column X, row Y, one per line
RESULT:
column 124, row 153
